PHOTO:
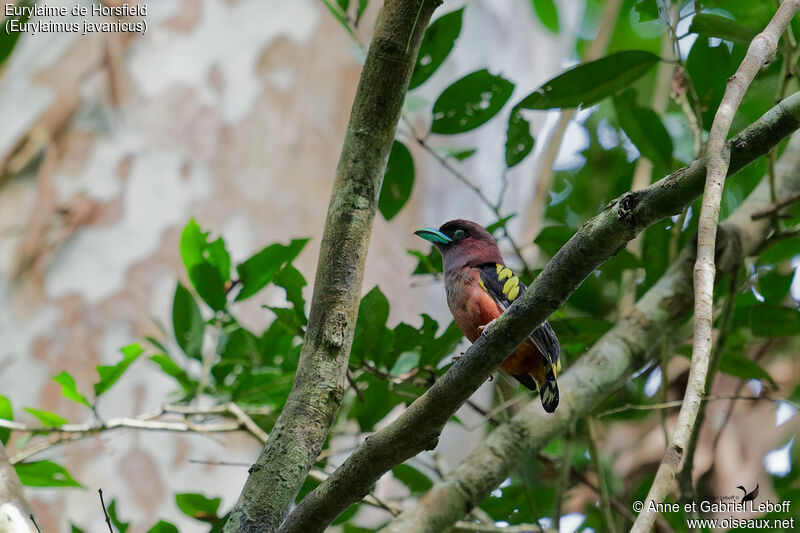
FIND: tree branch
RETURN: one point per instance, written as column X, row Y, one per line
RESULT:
column 418, row 428
column 762, row 50
column 16, row 514
column 299, row 433
column 606, row 367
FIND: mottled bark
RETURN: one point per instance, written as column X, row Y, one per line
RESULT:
column 16, row 514
column 418, row 428
column 606, row 367
column 299, row 433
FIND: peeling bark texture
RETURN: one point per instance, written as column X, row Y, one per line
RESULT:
column 606, row 367
column 299, row 433
column 15, row 511
column 761, row 51
column 594, row 243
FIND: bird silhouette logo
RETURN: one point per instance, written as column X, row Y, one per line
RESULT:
column 748, row 496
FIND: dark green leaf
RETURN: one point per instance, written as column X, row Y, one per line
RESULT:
column 774, row 286
column 428, row 264
column 768, row 320
column 370, row 325
column 470, row 102
column 397, row 181
column 163, row 527
column 292, row 281
column 187, row 322
column 552, row 238
column 519, row 141
column 47, row 418
column 582, row 330
column 110, row 374
column 343, row 4
column 644, row 128
column 377, row 403
column 198, row 506
column 75, row 529
column 170, row 368
column 44, row 474
column 70, row 390
column 6, row 413
column 710, row 25
column 501, row 223
column 736, row 364
column 121, row 526
column 709, row 69
column 590, row 82
column 207, row 263
column 647, row 9
column 781, row 251
column 416, row 481
column 548, row 14
column 260, row 268
column 340, row 17
column 8, row 39
column 362, row 6
column 439, row 39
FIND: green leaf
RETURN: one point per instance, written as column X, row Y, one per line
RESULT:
column 260, row 268
column 428, row 264
column 397, row 181
column 768, row 320
column 711, row 25
column 44, row 474
column 781, row 251
column 519, row 141
column 6, row 413
column 548, row 14
column 198, row 506
column 647, row 9
column 456, row 153
column 171, row 368
column 501, row 223
column 110, row 374
column 75, row 529
column 70, row 390
column 187, row 323
column 47, row 418
column 470, row 102
column 343, row 4
column 407, row 362
column 292, row 281
column 377, row 402
column 644, row 128
column 552, row 238
column 590, row 82
column 736, row 364
column 121, row 526
column 370, row 325
column 709, row 69
column 340, row 16
column 362, row 6
column 208, row 264
column 438, row 41
column 8, row 40
column 416, row 481
column 163, row 527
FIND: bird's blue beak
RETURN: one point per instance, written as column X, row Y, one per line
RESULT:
column 433, row 235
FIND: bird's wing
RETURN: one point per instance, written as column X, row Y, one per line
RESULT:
column 505, row 287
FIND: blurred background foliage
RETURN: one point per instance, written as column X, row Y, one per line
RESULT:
column 209, row 354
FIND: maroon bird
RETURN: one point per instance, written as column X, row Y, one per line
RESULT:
column 479, row 288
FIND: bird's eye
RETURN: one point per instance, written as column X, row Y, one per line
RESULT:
column 459, row 234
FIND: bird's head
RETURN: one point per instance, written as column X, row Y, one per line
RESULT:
column 462, row 243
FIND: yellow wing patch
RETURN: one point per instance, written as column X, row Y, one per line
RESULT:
column 513, row 293
column 504, row 273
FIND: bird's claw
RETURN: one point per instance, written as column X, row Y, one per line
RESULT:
column 456, row 357
column 485, row 327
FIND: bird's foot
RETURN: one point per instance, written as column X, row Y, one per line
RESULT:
column 491, row 377
column 485, row 327
column 456, row 357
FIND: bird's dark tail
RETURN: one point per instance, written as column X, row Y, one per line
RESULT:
column 549, row 391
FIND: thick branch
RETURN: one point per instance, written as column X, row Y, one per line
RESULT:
column 298, row 434
column 16, row 513
column 762, row 50
column 418, row 428
column 606, row 367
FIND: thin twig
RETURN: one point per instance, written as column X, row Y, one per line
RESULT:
column 762, row 49
column 678, row 403
column 103, row 504
column 611, row 524
column 33, row 519
column 777, row 206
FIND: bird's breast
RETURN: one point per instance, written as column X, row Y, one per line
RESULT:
column 470, row 305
